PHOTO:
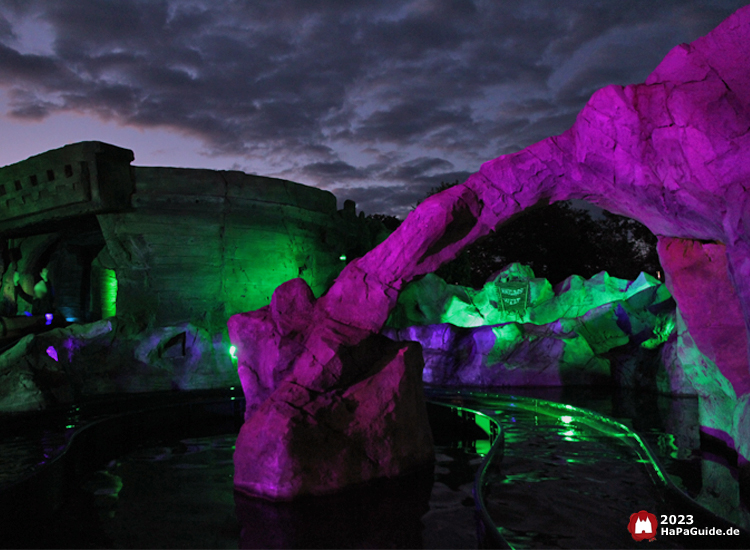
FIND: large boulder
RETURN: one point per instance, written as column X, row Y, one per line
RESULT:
column 302, row 442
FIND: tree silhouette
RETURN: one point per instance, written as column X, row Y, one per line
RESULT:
column 556, row 241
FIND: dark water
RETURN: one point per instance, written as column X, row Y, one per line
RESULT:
column 21, row 455
column 561, row 483
column 569, row 481
column 180, row 494
column 24, row 450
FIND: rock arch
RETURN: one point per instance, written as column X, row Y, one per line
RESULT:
column 672, row 153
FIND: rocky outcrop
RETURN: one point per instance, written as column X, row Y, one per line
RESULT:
column 430, row 300
column 698, row 275
column 602, row 330
column 710, row 337
column 322, row 442
column 346, row 415
column 671, row 153
column 109, row 357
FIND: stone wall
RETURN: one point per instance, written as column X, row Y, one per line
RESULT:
column 84, row 178
column 204, row 244
column 171, row 253
column 177, row 244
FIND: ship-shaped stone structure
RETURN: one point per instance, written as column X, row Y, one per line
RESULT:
column 165, row 245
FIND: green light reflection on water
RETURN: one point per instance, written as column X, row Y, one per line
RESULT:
column 485, row 422
column 570, row 435
column 667, row 446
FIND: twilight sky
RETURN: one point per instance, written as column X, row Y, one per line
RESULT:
column 375, row 100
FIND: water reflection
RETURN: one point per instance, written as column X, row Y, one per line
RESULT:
column 560, row 465
column 180, row 494
column 383, row 514
column 430, row 508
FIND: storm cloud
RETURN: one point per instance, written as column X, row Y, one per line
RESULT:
column 377, row 101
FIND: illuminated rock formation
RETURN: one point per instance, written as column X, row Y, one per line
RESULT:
column 306, row 442
column 591, row 331
column 673, row 153
column 109, row 357
column 342, row 415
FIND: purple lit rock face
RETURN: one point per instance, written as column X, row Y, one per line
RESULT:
column 305, row 442
column 673, row 153
column 329, row 405
column 699, row 280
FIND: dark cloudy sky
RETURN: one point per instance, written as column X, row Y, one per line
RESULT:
column 375, row 100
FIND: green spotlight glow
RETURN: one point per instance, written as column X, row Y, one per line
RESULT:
column 342, row 257
column 233, row 352
column 566, row 419
column 109, row 293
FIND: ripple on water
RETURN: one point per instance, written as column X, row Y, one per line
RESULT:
column 21, row 455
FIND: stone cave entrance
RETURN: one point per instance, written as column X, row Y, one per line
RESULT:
column 84, row 287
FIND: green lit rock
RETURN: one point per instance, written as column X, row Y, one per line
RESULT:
column 18, row 391
column 583, row 332
column 431, row 300
column 741, row 434
column 720, row 493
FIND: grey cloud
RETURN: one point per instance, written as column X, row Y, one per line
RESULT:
column 6, row 29
column 397, row 200
column 410, row 120
column 337, row 170
column 34, row 70
column 417, row 168
column 292, row 82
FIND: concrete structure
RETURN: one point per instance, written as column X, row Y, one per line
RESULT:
column 165, row 245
